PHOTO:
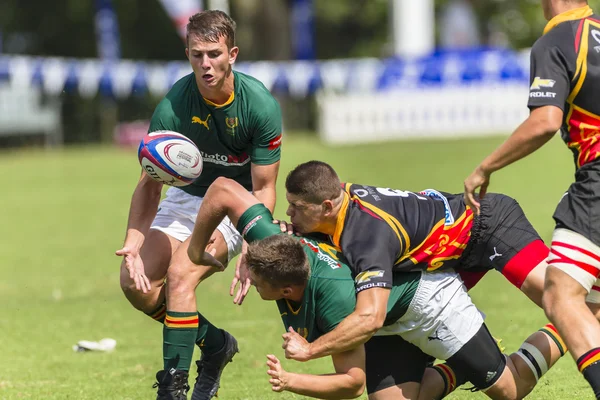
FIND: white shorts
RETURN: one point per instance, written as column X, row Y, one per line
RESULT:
column 579, row 258
column 177, row 214
column 441, row 318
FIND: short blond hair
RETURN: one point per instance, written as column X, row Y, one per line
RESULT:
column 210, row 25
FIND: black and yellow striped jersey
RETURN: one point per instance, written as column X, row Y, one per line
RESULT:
column 565, row 72
column 382, row 230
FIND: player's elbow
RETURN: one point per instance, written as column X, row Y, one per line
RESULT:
column 547, row 120
column 149, row 187
column 357, row 389
column 549, row 127
column 195, row 254
column 372, row 321
column 222, row 185
column 353, row 388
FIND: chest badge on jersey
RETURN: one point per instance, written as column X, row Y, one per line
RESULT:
column 231, row 124
column 197, row 120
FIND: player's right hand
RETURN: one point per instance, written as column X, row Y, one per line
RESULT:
column 135, row 266
column 477, row 180
column 278, row 381
column 285, row 227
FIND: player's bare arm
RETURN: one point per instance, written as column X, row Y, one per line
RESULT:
column 144, row 204
column 533, row 133
column 225, row 197
column 358, row 327
column 348, row 382
column 264, row 179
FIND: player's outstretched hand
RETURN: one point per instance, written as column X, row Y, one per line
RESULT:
column 135, row 266
column 295, row 346
column 477, row 180
column 278, row 381
column 242, row 276
column 285, row 226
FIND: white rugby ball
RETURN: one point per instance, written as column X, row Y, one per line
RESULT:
column 170, row 158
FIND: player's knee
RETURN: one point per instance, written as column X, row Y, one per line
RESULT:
column 505, row 387
column 559, row 289
column 524, row 378
column 134, row 296
column 127, row 284
column 180, row 283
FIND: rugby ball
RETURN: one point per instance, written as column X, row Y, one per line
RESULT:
column 170, row 158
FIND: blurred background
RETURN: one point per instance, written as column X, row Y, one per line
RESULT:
column 364, row 70
column 383, row 90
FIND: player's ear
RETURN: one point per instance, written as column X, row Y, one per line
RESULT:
column 327, row 207
column 233, row 53
column 187, row 52
column 287, row 291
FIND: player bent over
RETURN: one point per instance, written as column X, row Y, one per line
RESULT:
column 236, row 123
column 314, row 290
column 383, row 232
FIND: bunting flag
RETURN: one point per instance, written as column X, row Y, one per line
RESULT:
column 124, row 78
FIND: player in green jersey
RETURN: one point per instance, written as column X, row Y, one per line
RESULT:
column 236, row 124
column 315, row 291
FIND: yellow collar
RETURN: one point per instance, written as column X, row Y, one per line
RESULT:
column 576, row 13
column 213, row 104
column 341, row 217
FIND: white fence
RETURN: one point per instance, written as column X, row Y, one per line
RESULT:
column 431, row 112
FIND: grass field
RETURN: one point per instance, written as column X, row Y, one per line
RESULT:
column 64, row 214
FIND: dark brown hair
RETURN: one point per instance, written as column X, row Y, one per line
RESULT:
column 314, row 182
column 210, row 25
column 280, row 260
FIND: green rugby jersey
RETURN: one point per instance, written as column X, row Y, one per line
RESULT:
column 329, row 296
column 247, row 128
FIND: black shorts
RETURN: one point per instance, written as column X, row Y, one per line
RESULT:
column 391, row 361
column 498, row 234
column 579, row 208
column 479, row 360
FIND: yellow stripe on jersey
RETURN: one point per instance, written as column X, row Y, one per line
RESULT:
column 392, row 222
column 581, row 61
column 576, row 13
column 586, row 112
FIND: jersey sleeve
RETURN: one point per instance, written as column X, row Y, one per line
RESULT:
column 372, row 256
column 164, row 118
column 256, row 223
column 266, row 141
column 549, row 77
column 334, row 299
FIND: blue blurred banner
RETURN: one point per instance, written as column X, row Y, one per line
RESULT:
column 303, row 30
column 107, row 31
column 123, row 78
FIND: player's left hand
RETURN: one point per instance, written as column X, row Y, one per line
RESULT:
column 477, row 180
column 295, row 346
column 242, row 276
column 279, row 376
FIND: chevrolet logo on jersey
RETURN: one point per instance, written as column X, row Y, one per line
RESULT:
column 539, row 83
column 367, row 275
column 197, row 120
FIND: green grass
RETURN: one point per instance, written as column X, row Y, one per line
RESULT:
column 64, row 213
